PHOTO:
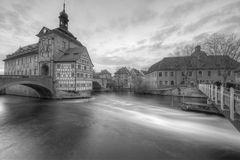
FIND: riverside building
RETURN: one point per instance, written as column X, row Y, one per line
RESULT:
column 57, row 54
column 191, row 70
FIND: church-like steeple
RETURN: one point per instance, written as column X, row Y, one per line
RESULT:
column 63, row 19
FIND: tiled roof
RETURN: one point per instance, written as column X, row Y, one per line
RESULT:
column 33, row 48
column 70, row 55
column 65, row 32
column 193, row 62
column 123, row 70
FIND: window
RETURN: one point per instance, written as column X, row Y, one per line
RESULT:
column 78, row 75
column 72, row 74
column 72, row 66
column 81, row 75
column 209, row 73
column 166, row 82
column 160, row 74
column 172, row 74
column 58, row 66
column 85, row 68
column 190, row 73
column 200, row 73
column 58, row 75
column 183, row 74
column 79, row 66
column 166, row 74
column 160, row 83
column 172, row 83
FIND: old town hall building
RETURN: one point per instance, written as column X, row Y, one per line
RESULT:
column 57, row 54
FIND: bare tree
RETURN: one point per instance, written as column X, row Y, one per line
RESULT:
column 186, row 50
column 223, row 44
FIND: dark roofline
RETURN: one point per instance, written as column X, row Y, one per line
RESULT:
column 16, row 55
column 159, row 65
column 62, row 34
column 64, row 61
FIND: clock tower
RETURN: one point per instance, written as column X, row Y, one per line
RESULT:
column 63, row 19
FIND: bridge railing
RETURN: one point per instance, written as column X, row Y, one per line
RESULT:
column 21, row 76
column 225, row 97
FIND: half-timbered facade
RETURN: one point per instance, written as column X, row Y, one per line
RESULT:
column 57, row 54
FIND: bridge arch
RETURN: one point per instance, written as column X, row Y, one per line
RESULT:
column 42, row 90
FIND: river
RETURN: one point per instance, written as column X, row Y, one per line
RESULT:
column 112, row 126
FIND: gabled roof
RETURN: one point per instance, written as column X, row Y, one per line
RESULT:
column 72, row 55
column 64, row 32
column 21, row 51
column 59, row 31
column 198, row 60
column 190, row 62
column 123, row 70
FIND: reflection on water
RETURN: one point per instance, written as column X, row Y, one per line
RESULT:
column 112, row 126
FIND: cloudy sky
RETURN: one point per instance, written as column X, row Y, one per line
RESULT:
column 133, row 33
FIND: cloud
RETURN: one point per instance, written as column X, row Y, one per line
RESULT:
column 141, row 42
column 138, row 17
column 180, row 11
column 202, row 22
column 200, row 37
column 162, row 34
column 235, row 19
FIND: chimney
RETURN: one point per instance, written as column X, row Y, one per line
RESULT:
column 198, row 48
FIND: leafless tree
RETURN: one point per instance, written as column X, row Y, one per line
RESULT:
column 186, row 50
column 223, row 44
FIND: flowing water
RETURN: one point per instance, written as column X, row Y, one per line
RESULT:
column 112, row 126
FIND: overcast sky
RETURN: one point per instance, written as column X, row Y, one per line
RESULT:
column 133, row 33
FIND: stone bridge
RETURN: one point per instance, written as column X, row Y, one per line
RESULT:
column 42, row 84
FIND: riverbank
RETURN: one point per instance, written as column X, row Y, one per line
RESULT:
column 191, row 92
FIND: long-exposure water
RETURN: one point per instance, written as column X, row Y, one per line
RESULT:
column 112, row 126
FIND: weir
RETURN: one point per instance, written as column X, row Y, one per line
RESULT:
column 227, row 101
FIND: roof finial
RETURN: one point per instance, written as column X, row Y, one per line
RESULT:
column 64, row 6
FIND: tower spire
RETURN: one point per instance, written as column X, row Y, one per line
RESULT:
column 64, row 6
column 63, row 18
